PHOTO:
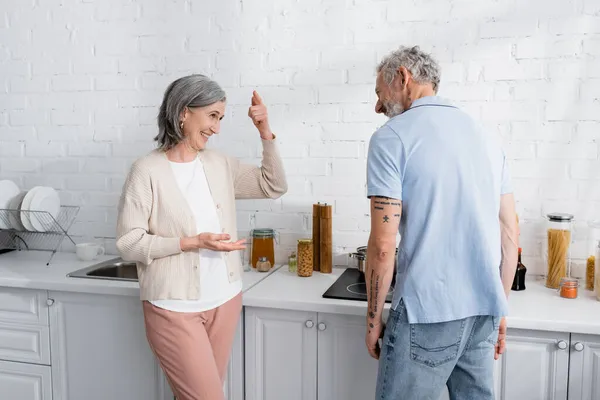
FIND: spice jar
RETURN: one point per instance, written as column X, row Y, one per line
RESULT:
column 558, row 248
column 568, row 288
column 593, row 241
column 263, row 245
column 293, row 263
column 305, row 257
column 263, row 265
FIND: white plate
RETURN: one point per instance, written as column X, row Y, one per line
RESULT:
column 14, row 217
column 25, row 207
column 8, row 190
column 45, row 199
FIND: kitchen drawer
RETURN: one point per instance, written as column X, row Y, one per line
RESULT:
column 25, row 381
column 23, row 306
column 25, row 343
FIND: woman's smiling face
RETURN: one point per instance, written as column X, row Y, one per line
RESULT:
column 200, row 123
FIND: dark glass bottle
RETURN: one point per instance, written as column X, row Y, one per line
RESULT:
column 519, row 280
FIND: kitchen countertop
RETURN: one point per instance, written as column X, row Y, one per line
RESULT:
column 27, row 269
column 536, row 308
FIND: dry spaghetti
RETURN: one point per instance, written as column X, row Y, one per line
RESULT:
column 558, row 249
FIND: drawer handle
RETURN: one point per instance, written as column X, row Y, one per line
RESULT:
column 578, row 346
column 562, row 345
column 309, row 324
column 322, row 326
column 49, row 302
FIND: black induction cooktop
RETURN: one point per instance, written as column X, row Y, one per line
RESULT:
column 351, row 286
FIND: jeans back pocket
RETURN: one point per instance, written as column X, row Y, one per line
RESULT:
column 437, row 343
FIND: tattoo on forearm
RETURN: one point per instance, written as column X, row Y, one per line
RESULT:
column 386, row 219
column 382, row 202
column 397, row 215
column 376, row 293
column 378, row 208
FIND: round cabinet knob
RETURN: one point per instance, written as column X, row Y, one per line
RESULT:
column 309, row 324
column 322, row 326
column 578, row 346
column 50, row 302
column 561, row 344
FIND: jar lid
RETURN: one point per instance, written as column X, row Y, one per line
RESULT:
column 263, row 232
column 560, row 217
column 569, row 282
column 263, row 259
column 305, row 241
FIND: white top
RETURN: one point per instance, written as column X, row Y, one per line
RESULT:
column 215, row 288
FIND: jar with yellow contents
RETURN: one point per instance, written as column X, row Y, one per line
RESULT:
column 305, row 257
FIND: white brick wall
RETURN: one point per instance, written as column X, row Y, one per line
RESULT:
column 80, row 83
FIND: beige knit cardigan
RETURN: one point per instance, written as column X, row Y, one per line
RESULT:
column 154, row 215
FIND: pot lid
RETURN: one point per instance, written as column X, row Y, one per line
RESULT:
column 363, row 249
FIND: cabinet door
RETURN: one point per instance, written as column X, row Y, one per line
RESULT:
column 99, row 349
column 534, row 366
column 234, row 381
column 281, row 354
column 346, row 370
column 25, row 381
column 584, row 371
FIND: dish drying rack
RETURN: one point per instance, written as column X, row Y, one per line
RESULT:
column 49, row 239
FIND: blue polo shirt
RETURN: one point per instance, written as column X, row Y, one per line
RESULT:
column 449, row 175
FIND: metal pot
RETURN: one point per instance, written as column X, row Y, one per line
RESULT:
column 361, row 258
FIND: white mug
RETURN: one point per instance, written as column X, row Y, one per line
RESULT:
column 88, row 251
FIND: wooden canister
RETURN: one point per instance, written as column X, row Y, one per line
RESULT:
column 316, row 235
column 326, row 250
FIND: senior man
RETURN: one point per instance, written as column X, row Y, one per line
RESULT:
column 437, row 179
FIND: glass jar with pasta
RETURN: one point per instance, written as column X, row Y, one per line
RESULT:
column 590, row 265
column 558, row 248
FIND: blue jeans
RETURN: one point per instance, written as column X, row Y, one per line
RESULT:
column 418, row 360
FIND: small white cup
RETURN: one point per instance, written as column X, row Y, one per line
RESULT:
column 88, row 251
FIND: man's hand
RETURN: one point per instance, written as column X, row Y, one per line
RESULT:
column 260, row 117
column 374, row 333
column 501, row 344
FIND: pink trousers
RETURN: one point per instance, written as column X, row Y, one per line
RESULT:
column 193, row 348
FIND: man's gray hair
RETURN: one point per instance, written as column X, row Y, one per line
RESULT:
column 423, row 68
column 189, row 91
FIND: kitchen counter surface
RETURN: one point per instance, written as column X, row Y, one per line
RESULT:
column 27, row 269
column 537, row 308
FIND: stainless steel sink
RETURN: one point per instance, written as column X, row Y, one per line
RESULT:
column 114, row 270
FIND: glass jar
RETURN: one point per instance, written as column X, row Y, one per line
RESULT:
column 263, row 245
column 568, row 288
column 305, row 257
column 293, row 263
column 263, row 265
column 558, row 248
column 597, row 274
column 593, row 242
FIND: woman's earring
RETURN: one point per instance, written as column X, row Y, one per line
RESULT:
column 181, row 125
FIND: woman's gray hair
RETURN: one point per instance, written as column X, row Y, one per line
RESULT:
column 423, row 68
column 189, row 91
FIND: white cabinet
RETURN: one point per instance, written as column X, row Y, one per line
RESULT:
column 281, row 354
column 584, row 370
column 346, row 370
column 99, row 349
column 306, row 355
column 25, row 381
column 535, row 366
column 234, row 381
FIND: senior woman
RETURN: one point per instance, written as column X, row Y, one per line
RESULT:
column 177, row 221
